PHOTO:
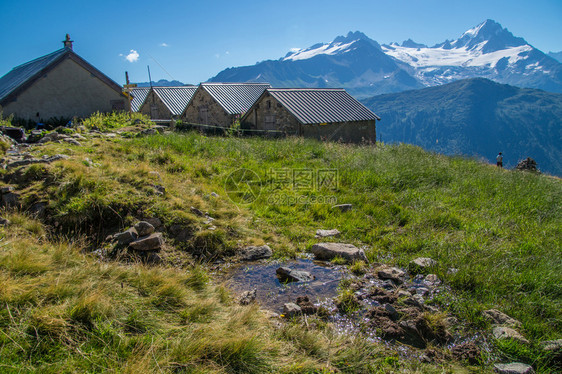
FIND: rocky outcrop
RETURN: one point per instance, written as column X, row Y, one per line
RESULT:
column 144, row 228
column 503, row 333
column 513, row 368
column 328, row 251
column 151, row 242
column 498, row 318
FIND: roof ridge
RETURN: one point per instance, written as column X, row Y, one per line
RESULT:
column 235, row 83
column 42, row 57
column 305, row 89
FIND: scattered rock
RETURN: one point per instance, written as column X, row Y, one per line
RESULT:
column 4, row 221
column 6, row 189
column 197, row 212
column 421, row 265
column 291, row 309
column 286, row 274
column 149, row 243
column 502, row 333
column 393, row 313
column 432, row 280
column 527, row 164
column 156, row 222
column 499, row 318
column 513, row 368
column 248, row 297
column 72, row 141
column 343, row 207
column 10, row 199
column 328, row 251
column 381, row 296
column 403, row 293
column 418, row 333
column 327, row 233
column 38, row 209
column 45, row 160
column 126, row 237
column 306, row 305
column 253, row 253
column 394, row 274
column 144, row 228
column 552, row 346
column 214, row 194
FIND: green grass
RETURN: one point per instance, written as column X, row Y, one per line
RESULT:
column 500, row 229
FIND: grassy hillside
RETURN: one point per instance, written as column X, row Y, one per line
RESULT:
column 65, row 310
column 476, row 117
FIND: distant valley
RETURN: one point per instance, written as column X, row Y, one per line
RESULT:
column 476, row 117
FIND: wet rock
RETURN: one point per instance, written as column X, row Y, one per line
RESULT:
column 126, row 237
column 149, row 243
column 291, row 309
column 328, row 251
column 327, row 233
column 248, row 297
column 144, row 228
column 513, row 368
column 392, row 273
column 286, row 274
column 253, row 253
column 499, row 318
column 306, row 305
column 432, row 280
column 469, row 352
column 421, row 265
column 343, row 207
column 381, row 296
column 502, row 333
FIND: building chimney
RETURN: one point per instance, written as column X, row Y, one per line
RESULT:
column 67, row 42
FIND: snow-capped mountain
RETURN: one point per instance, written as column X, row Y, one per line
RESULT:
column 366, row 68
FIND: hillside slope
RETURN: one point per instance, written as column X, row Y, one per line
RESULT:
column 476, row 117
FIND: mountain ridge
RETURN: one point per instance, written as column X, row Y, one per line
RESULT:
column 366, row 68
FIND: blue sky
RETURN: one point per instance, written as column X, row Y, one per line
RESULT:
column 192, row 41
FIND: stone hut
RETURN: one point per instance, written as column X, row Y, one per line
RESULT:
column 220, row 104
column 60, row 84
column 320, row 113
column 166, row 103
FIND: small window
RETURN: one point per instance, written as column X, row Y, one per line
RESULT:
column 268, row 104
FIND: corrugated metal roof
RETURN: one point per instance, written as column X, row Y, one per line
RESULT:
column 175, row 98
column 235, row 98
column 139, row 94
column 25, row 72
column 322, row 105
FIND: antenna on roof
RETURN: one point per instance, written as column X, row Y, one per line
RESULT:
column 67, row 42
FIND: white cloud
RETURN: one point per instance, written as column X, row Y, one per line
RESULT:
column 227, row 53
column 294, row 50
column 164, row 45
column 133, row 56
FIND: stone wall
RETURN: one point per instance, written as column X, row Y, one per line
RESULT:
column 270, row 115
column 215, row 114
column 161, row 110
column 66, row 91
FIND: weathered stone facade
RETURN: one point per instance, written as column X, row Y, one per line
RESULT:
column 66, row 91
column 270, row 116
column 205, row 110
column 155, row 108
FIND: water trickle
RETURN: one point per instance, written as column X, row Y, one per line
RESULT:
column 272, row 294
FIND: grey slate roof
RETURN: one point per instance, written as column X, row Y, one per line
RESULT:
column 322, row 105
column 175, row 98
column 26, row 72
column 235, row 98
column 139, row 94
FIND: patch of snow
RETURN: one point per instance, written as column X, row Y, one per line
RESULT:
column 325, row 49
column 426, row 57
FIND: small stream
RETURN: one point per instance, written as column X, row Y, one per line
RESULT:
column 272, row 294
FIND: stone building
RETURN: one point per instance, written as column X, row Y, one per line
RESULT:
column 321, row 113
column 166, row 103
column 220, row 104
column 60, row 84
